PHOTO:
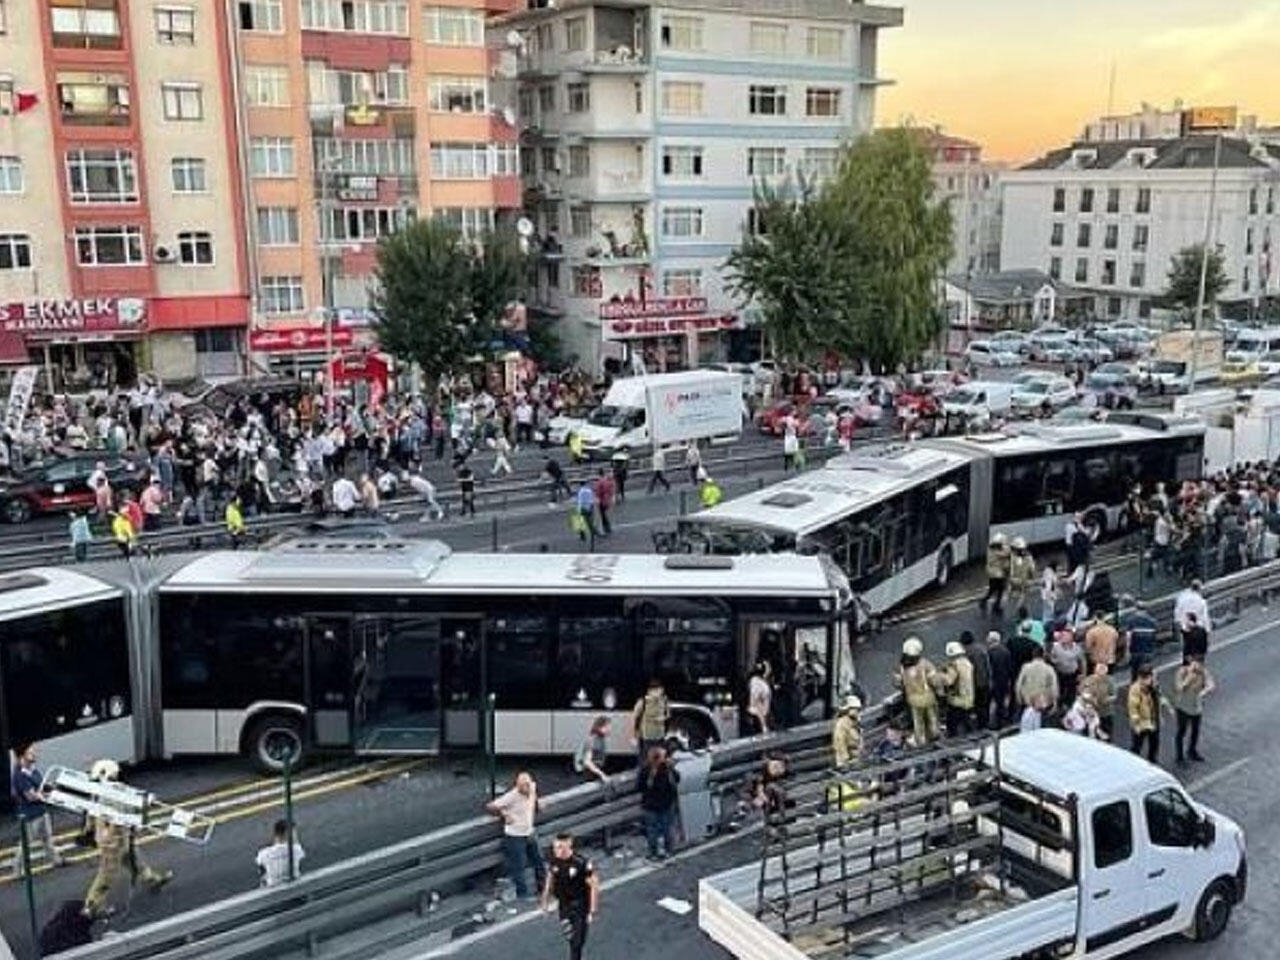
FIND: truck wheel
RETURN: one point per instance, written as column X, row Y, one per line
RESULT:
column 273, row 739
column 1213, row 912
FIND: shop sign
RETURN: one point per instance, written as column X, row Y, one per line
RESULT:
column 24, row 384
column 47, row 317
column 662, row 307
column 666, row 326
column 298, row 339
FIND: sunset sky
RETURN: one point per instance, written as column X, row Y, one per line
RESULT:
column 1021, row 76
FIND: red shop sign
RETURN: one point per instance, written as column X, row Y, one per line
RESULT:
column 298, row 339
column 50, row 317
column 663, row 326
column 663, row 307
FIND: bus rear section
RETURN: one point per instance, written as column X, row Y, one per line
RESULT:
column 397, row 648
column 65, row 668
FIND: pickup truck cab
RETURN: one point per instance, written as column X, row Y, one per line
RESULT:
column 1051, row 845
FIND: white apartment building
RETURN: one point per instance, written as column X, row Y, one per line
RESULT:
column 971, row 185
column 1108, row 217
column 644, row 129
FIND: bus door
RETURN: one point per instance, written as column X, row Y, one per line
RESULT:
column 460, row 681
column 329, row 673
column 799, row 655
column 395, row 689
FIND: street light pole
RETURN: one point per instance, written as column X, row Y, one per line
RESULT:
column 1210, row 235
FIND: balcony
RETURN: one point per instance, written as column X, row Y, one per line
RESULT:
column 619, row 60
column 607, row 186
column 362, row 121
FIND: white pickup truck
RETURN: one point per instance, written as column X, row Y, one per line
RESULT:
column 1063, row 847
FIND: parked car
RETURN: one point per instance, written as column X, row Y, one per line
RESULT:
column 1269, row 364
column 63, row 484
column 1112, row 393
column 1043, row 395
column 1051, row 347
column 1116, row 374
column 984, row 353
column 1239, row 367
column 1014, row 341
column 1091, row 350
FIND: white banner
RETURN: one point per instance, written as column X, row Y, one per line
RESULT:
column 24, row 384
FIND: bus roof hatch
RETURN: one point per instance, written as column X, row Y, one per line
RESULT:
column 326, row 558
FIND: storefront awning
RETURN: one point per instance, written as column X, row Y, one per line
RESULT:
column 12, row 348
column 198, row 313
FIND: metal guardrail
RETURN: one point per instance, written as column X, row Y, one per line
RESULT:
column 401, row 879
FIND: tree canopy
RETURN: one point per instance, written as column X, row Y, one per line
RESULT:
column 1183, row 290
column 851, row 264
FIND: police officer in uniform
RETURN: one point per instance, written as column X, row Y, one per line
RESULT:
column 917, row 678
column 571, row 879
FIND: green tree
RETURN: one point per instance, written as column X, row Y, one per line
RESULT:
column 852, row 265
column 499, row 270
column 1183, row 290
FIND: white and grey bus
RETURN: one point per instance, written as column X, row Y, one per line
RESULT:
column 899, row 517
column 394, row 647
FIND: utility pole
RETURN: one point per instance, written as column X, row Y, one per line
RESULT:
column 1210, row 238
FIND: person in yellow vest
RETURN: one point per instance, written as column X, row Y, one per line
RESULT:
column 234, row 519
column 1022, row 573
column 709, row 491
column 122, row 532
column 846, row 733
column 957, row 681
column 917, row 678
column 577, row 450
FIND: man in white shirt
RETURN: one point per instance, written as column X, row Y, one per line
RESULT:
column 427, row 491
column 1191, row 601
column 345, row 496
column 273, row 860
column 517, row 807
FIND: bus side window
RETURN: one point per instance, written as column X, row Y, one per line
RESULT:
column 519, row 656
column 1059, row 482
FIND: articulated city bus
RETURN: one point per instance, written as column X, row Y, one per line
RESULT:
column 899, row 517
column 395, row 647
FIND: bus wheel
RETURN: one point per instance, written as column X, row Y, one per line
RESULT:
column 693, row 730
column 1213, row 912
column 943, row 575
column 272, row 740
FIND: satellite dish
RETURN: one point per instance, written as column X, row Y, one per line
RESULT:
column 509, row 116
column 515, row 40
column 524, row 227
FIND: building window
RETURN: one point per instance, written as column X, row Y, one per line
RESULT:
column 94, row 98
column 459, row 161
column 109, row 246
column 262, row 16
column 365, row 224
column 528, row 162
column 1113, row 200
column 1082, row 270
column 680, row 222
column 271, row 157
column 78, row 25
column 681, row 33
column 766, row 161
column 756, row 225
column 1141, row 234
column 768, row 38
column 278, row 226
column 1084, row 234
column 15, row 251
column 550, row 160
column 1059, row 199
column 4, row 21
column 682, row 283
column 1143, row 204
column 586, row 282
column 682, row 161
column 11, row 175
column 278, row 295
column 524, row 106
column 1248, row 240
column 182, row 101
column 822, row 102
column 176, row 26
column 1271, row 199
column 1086, row 200
column 195, row 248
column 1253, row 200
column 455, row 27
column 579, row 221
column 579, row 160
column 470, row 222
column 577, row 97
column 1109, row 273
column 357, row 16
column 1111, row 238
column 825, row 43
column 767, row 101
column 553, row 274
column 1114, row 307
column 1137, row 274
column 1055, row 268
column 506, row 159
column 189, row 175
column 575, row 34
column 681, row 98
column 1055, row 237
column 266, row 86
column 820, row 162
column 356, row 87
column 1244, row 280
column 102, row 176
column 457, row 95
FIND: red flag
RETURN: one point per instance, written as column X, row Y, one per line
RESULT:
column 25, row 101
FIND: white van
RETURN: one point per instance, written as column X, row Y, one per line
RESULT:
column 980, row 400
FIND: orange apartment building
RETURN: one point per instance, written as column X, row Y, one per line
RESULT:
column 187, row 186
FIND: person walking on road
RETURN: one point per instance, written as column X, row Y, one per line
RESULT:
column 917, row 678
column 709, row 492
column 1022, row 573
column 273, row 860
column 556, row 483
column 233, row 517
column 1195, row 639
column 571, row 880
column 1190, row 686
column 122, row 532
column 501, row 455
column 1144, row 714
column 466, row 490
column 693, row 461
column 659, row 475
column 790, row 445
column 1101, row 691
column 1190, row 602
column 33, row 814
column 584, row 504
column 81, row 536
column 620, row 463
column 1037, row 682
column 1002, row 677
column 425, row 489
column 658, row 779
column 518, row 808
column 999, row 558
column 605, row 491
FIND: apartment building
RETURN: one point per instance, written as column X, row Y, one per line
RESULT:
column 120, row 217
column 359, row 116
column 1108, row 217
column 971, row 185
column 644, row 128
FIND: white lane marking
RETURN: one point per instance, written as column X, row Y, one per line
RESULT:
column 1209, row 779
column 455, row 946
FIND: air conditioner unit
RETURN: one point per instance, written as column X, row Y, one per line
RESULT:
column 162, row 254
